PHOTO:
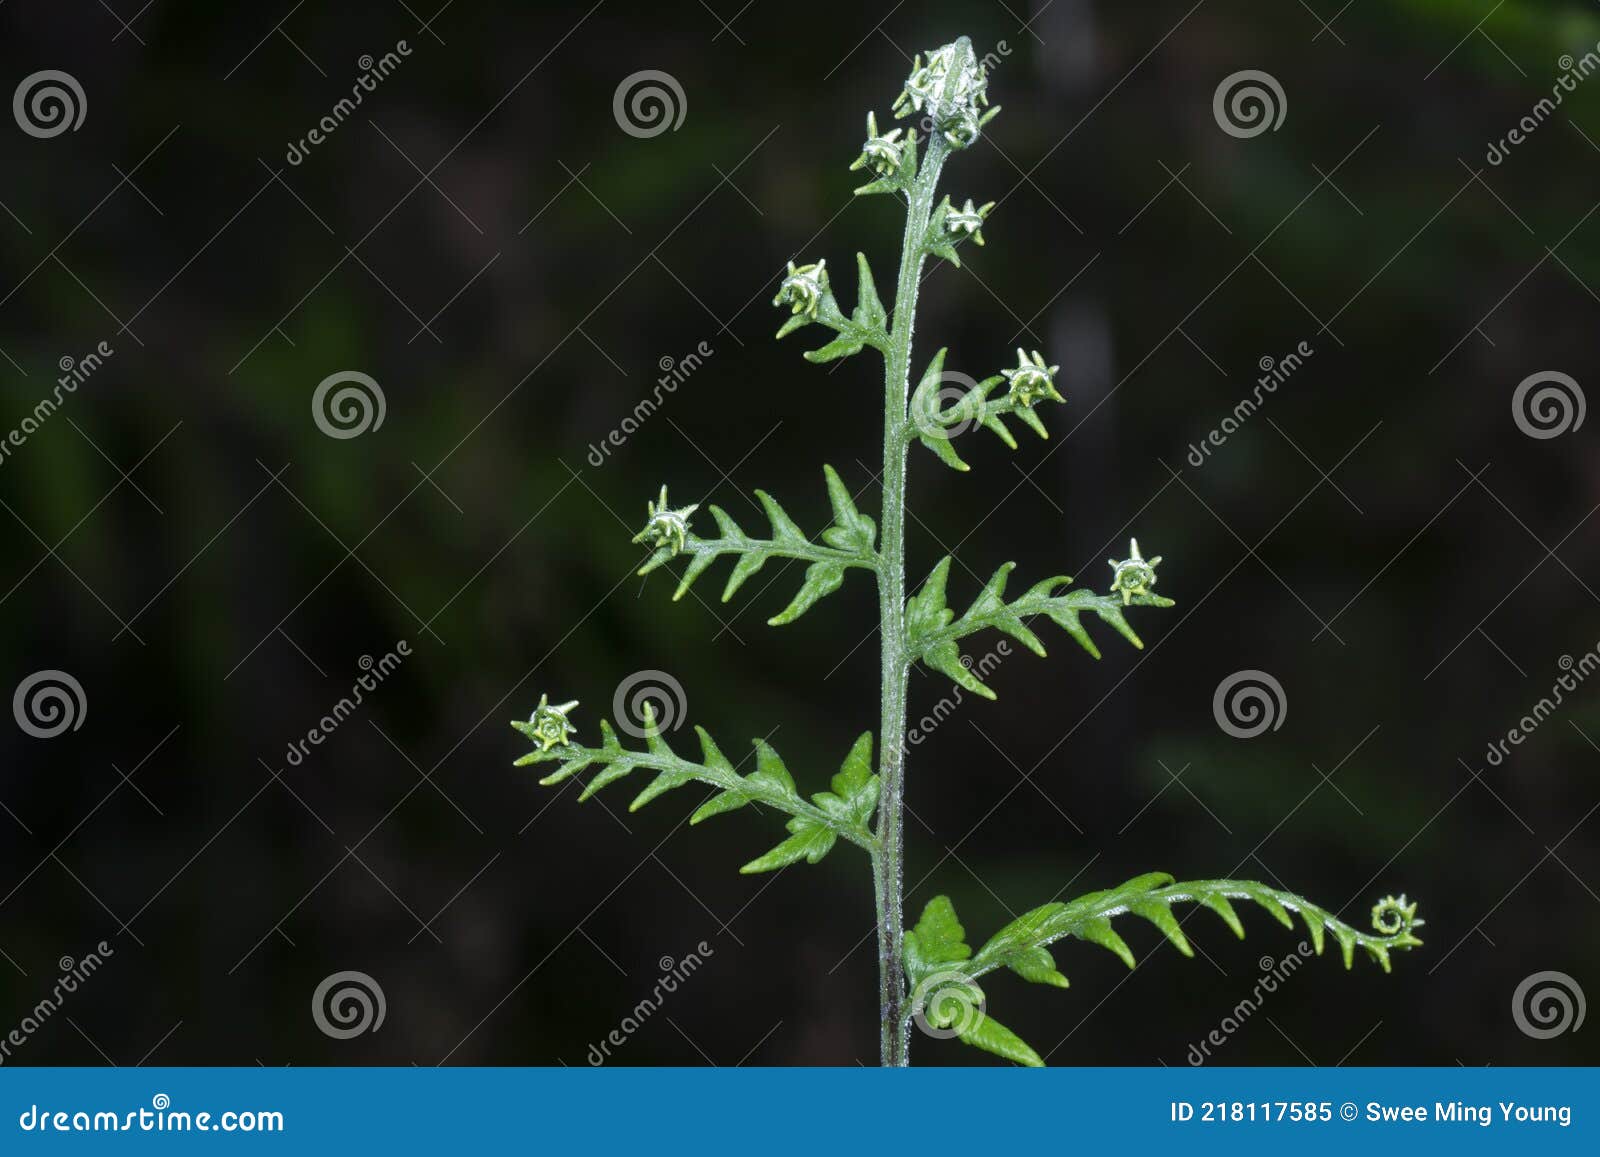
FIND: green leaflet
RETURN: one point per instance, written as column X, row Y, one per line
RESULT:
column 936, row 241
column 991, row 1036
column 938, row 939
column 935, row 632
column 847, row 543
column 937, row 956
column 851, row 530
column 855, row 787
column 924, row 414
column 815, row 826
column 810, row 842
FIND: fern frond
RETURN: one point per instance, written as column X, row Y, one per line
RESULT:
column 847, row 543
column 814, row 825
column 939, row 961
column 936, row 421
column 815, row 304
column 949, row 226
column 1152, row 896
column 894, row 161
column 935, row 631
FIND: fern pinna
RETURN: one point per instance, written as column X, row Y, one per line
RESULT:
column 928, row 975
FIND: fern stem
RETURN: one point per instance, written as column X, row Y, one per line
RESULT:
column 888, row 866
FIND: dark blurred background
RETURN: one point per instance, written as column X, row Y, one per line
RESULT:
column 513, row 270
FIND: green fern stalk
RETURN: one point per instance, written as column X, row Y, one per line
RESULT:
column 888, row 869
column 927, row 975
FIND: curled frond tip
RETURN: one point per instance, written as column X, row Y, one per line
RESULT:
column 1134, row 575
column 666, row 527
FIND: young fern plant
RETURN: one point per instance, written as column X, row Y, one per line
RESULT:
column 928, row 975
